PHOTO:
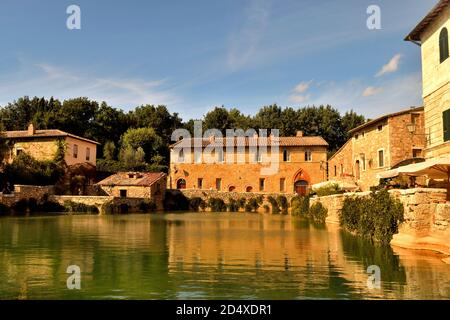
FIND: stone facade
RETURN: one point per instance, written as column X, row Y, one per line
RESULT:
column 436, row 81
column 26, row 192
column 43, row 145
column 305, row 165
column 378, row 145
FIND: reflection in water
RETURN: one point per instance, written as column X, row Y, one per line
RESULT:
column 205, row 256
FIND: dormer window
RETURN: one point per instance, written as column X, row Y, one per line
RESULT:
column 443, row 45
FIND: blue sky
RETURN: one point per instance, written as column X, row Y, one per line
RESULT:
column 194, row 55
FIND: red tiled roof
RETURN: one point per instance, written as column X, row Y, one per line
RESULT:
column 144, row 179
column 383, row 117
column 414, row 35
column 48, row 133
column 247, row 141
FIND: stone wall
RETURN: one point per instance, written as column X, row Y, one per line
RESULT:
column 427, row 217
column 226, row 196
column 26, row 192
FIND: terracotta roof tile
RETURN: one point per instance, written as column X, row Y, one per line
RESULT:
column 260, row 141
column 48, row 133
column 144, row 179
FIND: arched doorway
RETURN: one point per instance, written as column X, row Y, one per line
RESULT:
column 357, row 170
column 301, row 187
column 231, row 188
column 181, row 184
column 249, row 189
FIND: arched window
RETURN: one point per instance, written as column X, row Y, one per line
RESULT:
column 443, row 45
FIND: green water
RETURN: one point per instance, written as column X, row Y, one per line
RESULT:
column 205, row 256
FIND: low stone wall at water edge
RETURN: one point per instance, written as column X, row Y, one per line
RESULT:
column 427, row 217
column 227, row 196
column 26, row 192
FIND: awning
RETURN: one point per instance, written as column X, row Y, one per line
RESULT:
column 436, row 168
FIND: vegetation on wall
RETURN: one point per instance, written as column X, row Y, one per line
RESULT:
column 217, row 205
column 317, row 213
column 375, row 217
column 300, row 205
column 71, row 206
column 328, row 190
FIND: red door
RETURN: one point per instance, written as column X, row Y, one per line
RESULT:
column 301, row 187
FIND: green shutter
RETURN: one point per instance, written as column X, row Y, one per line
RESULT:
column 446, row 121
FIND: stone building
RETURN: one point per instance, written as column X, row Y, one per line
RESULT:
column 147, row 185
column 235, row 164
column 432, row 34
column 377, row 146
column 43, row 145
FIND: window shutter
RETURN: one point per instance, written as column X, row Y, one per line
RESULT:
column 446, row 120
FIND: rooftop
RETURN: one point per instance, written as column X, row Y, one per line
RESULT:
column 48, row 133
column 414, row 35
column 390, row 115
column 253, row 141
column 144, row 179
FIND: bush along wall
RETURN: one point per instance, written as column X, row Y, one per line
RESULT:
column 300, row 206
column 375, row 217
column 318, row 213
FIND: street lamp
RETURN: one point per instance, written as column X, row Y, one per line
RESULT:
column 411, row 127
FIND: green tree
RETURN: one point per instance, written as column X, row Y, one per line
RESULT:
column 109, row 150
column 145, row 138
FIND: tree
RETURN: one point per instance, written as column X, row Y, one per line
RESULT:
column 351, row 120
column 109, row 150
column 145, row 138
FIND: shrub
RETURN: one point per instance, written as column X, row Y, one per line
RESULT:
column 233, row 205
column 318, row 213
column 175, row 201
column 217, row 205
column 376, row 217
column 147, row 205
column 71, row 206
column 328, row 190
column 274, row 204
column 4, row 209
column 196, row 203
column 283, row 203
column 253, row 204
column 50, row 206
column 266, row 208
column 300, row 205
column 20, row 206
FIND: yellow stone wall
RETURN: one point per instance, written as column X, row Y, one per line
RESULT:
column 436, row 85
column 243, row 175
column 394, row 138
column 41, row 150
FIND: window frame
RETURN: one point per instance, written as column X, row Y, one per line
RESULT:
column 308, row 155
column 443, row 45
column 75, row 151
column 262, row 184
column 378, row 158
column 446, row 125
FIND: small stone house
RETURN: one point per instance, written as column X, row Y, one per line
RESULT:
column 146, row 185
column 377, row 146
column 43, row 145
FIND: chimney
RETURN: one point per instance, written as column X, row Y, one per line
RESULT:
column 31, row 129
column 299, row 133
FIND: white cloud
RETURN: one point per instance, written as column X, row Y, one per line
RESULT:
column 371, row 91
column 44, row 80
column 391, row 66
column 296, row 98
column 302, row 86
